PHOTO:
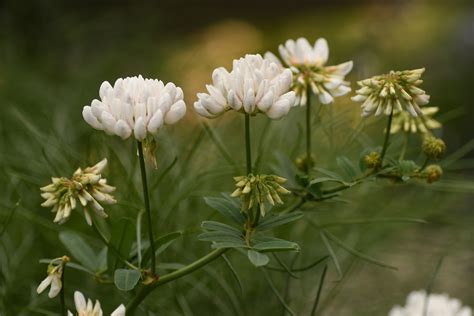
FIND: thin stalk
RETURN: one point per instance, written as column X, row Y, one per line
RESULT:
column 308, row 131
column 425, row 163
column 144, row 291
column 320, row 287
column 147, row 206
column 61, row 294
column 387, row 137
column 248, row 147
column 112, row 247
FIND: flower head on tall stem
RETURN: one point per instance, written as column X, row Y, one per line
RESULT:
column 397, row 90
column 254, row 85
column 86, row 185
column 135, row 105
column 54, row 278
column 87, row 308
column 308, row 64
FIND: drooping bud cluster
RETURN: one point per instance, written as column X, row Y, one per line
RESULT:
column 432, row 173
column 308, row 66
column 86, row 185
column 372, row 160
column 405, row 122
column 397, row 90
column 255, row 85
column 433, row 148
column 255, row 190
column 135, row 105
column 54, row 278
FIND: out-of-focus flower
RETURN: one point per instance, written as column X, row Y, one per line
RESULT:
column 55, row 273
column 308, row 66
column 84, row 308
column 257, row 189
column 255, row 85
column 372, row 160
column 135, row 105
column 86, row 185
column 433, row 147
column 438, row 305
column 404, row 121
column 397, row 90
column 432, row 173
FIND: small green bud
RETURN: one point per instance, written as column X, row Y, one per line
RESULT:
column 433, row 147
column 433, row 173
column 304, row 163
column 372, row 160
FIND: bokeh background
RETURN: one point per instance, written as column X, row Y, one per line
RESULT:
column 54, row 56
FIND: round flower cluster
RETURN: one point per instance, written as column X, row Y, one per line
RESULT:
column 86, row 185
column 256, row 189
column 432, row 173
column 87, row 308
column 308, row 66
column 438, row 305
column 255, row 85
column 397, row 90
column 433, row 147
column 135, row 105
column 404, row 121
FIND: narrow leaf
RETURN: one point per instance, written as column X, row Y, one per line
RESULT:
column 331, row 253
column 216, row 226
column 227, row 207
column 81, row 251
column 271, row 221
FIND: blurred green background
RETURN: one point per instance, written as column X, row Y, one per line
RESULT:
column 54, row 56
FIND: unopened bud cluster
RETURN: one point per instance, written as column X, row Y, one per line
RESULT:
column 305, row 162
column 396, row 90
column 372, row 160
column 255, row 190
column 433, row 147
column 432, row 173
column 86, row 185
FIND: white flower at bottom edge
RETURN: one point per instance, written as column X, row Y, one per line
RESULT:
column 438, row 305
column 87, row 308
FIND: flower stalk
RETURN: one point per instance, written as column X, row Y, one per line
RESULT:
column 61, row 294
column 387, row 137
column 248, row 146
column 308, row 132
column 147, row 206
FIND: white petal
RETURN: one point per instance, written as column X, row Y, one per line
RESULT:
column 176, row 112
column 325, row 97
column 44, row 284
column 321, row 51
column 119, row 311
column 156, row 122
column 266, row 102
column 344, row 68
column 249, row 101
column 105, row 89
column 55, row 287
column 90, row 118
column 80, row 302
column 279, row 109
column 108, row 121
column 122, row 129
column 139, row 129
column 341, row 90
column 271, row 57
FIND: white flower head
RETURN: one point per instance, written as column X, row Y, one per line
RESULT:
column 438, row 305
column 397, row 90
column 255, row 85
column 404, row 121
column 87, row 308
column 308, row 64
column 88, row 186
column 53, row 280
column 135, row 105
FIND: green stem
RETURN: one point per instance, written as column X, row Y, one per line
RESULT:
column 308, row 132
column 147, row 206
column 61, row 294
column 405, row 145
column 112, row 247
column 425, row 163
column 144, row 291
column 248, row 147
column 387, row 137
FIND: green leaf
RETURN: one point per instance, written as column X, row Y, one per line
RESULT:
column 258, row 259
column 329, row 173
column 122, row 238
column 80, row 250
column 326, row 179
column 221, row 237
column 347, row 166
column 228, row 207
column 331, row 253
column 278, row 245
column 271, row 220
column 217, row 226
column 229, row 244
column 126, row 280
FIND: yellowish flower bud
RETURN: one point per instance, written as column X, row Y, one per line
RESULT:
column 372, row 160
column 433, row 173
column 434, row 147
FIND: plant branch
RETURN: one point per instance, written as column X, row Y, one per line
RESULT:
column 387, row 137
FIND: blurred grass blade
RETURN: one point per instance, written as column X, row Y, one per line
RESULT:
column 357, row 253
column 275, row 291
column 318, row 294
column 429, row 288
column 284, row 266
column 375, row 220
column 164, row 174
column 331, row 253
column 234, row 273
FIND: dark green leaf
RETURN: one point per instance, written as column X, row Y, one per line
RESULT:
column 228, row 207
column 161, row 244
column 126, row 280
column 221, row 236
column 279, row 245
column 229, row 244
column 80, row 250
column 347, row 166
column 275, row 220
column 216, row 226
column 122, row 238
